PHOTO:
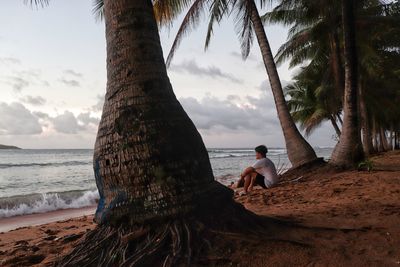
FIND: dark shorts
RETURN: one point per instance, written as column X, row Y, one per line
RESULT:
column 259, row 181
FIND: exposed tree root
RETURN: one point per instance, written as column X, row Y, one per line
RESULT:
column 181, row 241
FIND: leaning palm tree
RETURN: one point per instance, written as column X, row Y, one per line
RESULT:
column 248, row 24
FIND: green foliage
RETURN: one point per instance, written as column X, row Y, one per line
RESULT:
column 315, row 44
column 366, row 165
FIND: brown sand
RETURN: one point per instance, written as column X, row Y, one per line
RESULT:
column 346, row 218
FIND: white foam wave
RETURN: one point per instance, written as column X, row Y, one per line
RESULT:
column 50, row 202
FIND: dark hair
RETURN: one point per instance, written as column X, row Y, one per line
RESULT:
column 263, row 150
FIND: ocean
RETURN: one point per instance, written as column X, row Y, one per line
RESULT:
column 43, row 180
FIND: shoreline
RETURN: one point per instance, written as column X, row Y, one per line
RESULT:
column 12, row 223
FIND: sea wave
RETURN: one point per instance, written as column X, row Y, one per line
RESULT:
column 41, row 203
column 233, row 153
column 44, row 164
column 227, row 155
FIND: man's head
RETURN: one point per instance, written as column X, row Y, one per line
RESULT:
column 261, row 152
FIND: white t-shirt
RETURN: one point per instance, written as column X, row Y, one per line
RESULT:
column 266, row 168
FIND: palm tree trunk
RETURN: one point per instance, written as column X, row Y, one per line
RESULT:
column 298, row 149
column 381, row 148
column 336, row 63
column 375, row 137
column 152, row 169
column 348, row 152
column 149, row 159
column 384, row 141
column 366, row 131
column 335, row 126
column 391, row 138
column 396, row 140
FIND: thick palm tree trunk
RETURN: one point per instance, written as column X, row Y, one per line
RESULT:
column 149, row 159
column 156, row 186
column 349, row 151
column 298, row 149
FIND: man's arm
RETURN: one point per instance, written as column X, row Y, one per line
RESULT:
column 247, row 171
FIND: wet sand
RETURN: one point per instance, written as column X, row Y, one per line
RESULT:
column 11, row 223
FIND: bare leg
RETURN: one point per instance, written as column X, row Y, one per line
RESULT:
column 247, row 182
column 253, row 179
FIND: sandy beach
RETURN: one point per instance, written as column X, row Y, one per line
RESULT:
column 350, row 217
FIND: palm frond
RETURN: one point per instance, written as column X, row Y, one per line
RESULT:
column 98, row 9
column 37, row 3
column 218, row 9
column 190, row 22
column 244, row 26
column 166, row 11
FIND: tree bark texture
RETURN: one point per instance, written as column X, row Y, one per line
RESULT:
column 149, row 159
column 348, row 152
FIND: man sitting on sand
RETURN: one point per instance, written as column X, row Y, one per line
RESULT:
column 262, row 173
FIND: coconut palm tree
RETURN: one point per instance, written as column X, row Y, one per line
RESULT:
column 313, row 37
column 310, row 100
column 149, row 160
column 348, row 151
column 158, row 197
column 248, row 24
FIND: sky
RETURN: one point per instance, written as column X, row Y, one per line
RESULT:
column 53, row 80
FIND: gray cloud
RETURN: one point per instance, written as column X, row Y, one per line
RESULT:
column 99, row 105
column 20, row 80
column 41, row 115
column 18, row 83
column 73, row 73
column 66, row 123
column 9, row 61
column 70, row 82
column 191, row 67
column 33, row 100
column 86, row 118
column 18, row 120
column 211, row 112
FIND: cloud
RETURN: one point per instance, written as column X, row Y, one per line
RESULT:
column 66, row 123
column 10, row 61
column 99, row 105
column 191, row 67
column 18, row 83
column 211, row 113
column 86, row 118
column 73, row 73
column 70, row 82
column 33, row 100
column 41, row 115
column 19, row 80
column 16, row 119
